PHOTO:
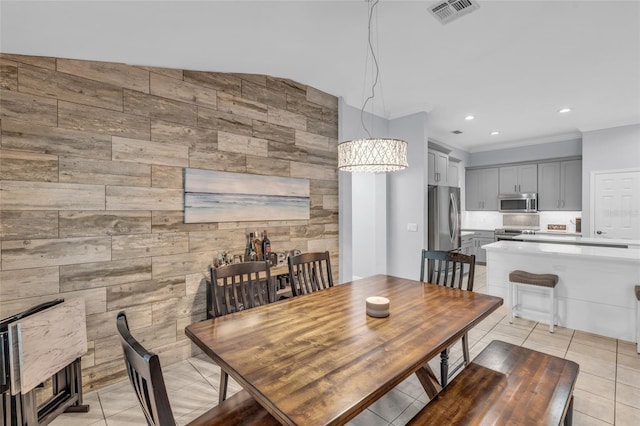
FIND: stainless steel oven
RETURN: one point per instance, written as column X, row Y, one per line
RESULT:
column 510, row 233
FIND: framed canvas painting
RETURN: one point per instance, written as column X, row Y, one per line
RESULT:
column 212, row 196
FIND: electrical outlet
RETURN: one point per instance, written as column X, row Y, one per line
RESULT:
column 412, row 227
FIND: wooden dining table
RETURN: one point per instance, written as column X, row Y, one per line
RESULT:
column 319, row 359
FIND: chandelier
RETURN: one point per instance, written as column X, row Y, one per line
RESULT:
column 372, row 154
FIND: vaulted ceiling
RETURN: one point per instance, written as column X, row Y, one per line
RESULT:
column 511, row 64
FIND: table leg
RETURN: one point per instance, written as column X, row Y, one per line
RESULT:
column 224, row 380
column 429, row 381
column 444, row 367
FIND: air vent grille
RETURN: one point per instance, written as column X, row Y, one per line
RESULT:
column 450, row 10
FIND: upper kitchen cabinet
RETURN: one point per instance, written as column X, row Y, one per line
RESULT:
column 521, row 179
column 452, row 174
column 438, row 166
column 482, row 189
column 560, row 185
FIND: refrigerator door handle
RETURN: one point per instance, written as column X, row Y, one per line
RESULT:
column 453, row 217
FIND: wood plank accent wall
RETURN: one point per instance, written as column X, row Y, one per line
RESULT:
column 91, row 200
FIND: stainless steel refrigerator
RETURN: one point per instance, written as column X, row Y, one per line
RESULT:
column 444, row 218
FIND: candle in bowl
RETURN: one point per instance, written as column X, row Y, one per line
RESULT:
column 377, row 306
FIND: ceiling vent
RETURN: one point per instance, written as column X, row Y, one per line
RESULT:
column 450, row 10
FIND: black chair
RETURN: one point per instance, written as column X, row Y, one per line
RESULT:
column 448, row 269
column 234, row 288
column 239, row 286
column 145, row 374
column 310, row 272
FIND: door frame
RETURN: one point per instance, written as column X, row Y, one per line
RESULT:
column 592, row 193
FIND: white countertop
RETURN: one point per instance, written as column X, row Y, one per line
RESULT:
column 559, row 233
column 521, row 247
column 465, row 233
column 573, row 239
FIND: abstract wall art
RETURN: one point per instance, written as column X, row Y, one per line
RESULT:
column 212, row 196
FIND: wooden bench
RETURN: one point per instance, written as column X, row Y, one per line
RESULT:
column 506, row 384
column 238, row 409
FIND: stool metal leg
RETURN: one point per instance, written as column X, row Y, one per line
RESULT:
column 638, row 325
column 552, row 311
column 511, row 304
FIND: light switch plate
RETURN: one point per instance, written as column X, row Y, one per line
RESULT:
column 412, row 227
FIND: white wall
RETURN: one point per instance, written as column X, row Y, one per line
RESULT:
column 407, row 199
column 369, row 225
column 345, row 237
column 607, row 149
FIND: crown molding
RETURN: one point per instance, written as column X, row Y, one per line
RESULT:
column 528, row 142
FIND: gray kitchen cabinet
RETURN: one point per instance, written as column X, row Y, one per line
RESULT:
column 521, row 179
column 481, row 238
column 452, row 174
column 466, row 244
column 467, row 247
column 571, row 184
column 481, row 189
column 438, row 167
column 560, row 185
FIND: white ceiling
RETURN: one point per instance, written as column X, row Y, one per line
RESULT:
column 512, row 64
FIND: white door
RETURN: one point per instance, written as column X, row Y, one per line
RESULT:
column 616, row 204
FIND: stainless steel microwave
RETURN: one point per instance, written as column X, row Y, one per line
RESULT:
column 518, row 203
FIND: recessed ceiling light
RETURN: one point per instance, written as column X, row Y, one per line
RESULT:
column 563, row 110
column 469, row 117
column 495, row 133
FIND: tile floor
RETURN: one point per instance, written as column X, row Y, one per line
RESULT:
column 607, row 391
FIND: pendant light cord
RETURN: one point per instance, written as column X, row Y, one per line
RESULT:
column 375, row 81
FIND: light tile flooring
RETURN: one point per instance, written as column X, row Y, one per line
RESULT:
column 607, row 391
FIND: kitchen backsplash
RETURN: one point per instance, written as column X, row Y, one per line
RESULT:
column 493, row 220
column 560, row 218
column 481, row 220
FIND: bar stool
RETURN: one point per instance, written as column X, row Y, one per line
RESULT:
column 548, row 281
column 638, row 317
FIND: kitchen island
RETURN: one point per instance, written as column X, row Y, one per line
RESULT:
column 595, row 291
column 578, row 240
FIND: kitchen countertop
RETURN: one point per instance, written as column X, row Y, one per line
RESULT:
column 573, row 239
column 465, row 233
column 559, row 233
column 478, row 229
column 571, row 250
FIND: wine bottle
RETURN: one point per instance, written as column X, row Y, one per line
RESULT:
column 257, row 245
column 252, row 251
column 266, row 245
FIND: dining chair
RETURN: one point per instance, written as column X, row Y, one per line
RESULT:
column 449, row 269
column 239, row 286
column 145, row 374
column 235, row 288
column 310, row 272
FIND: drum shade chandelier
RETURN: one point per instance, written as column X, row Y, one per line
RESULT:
column 372, row 154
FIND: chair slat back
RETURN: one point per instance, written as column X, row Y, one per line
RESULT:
column 310, row 272
column 447, row 269
column 145, row 374
column 238, row 287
